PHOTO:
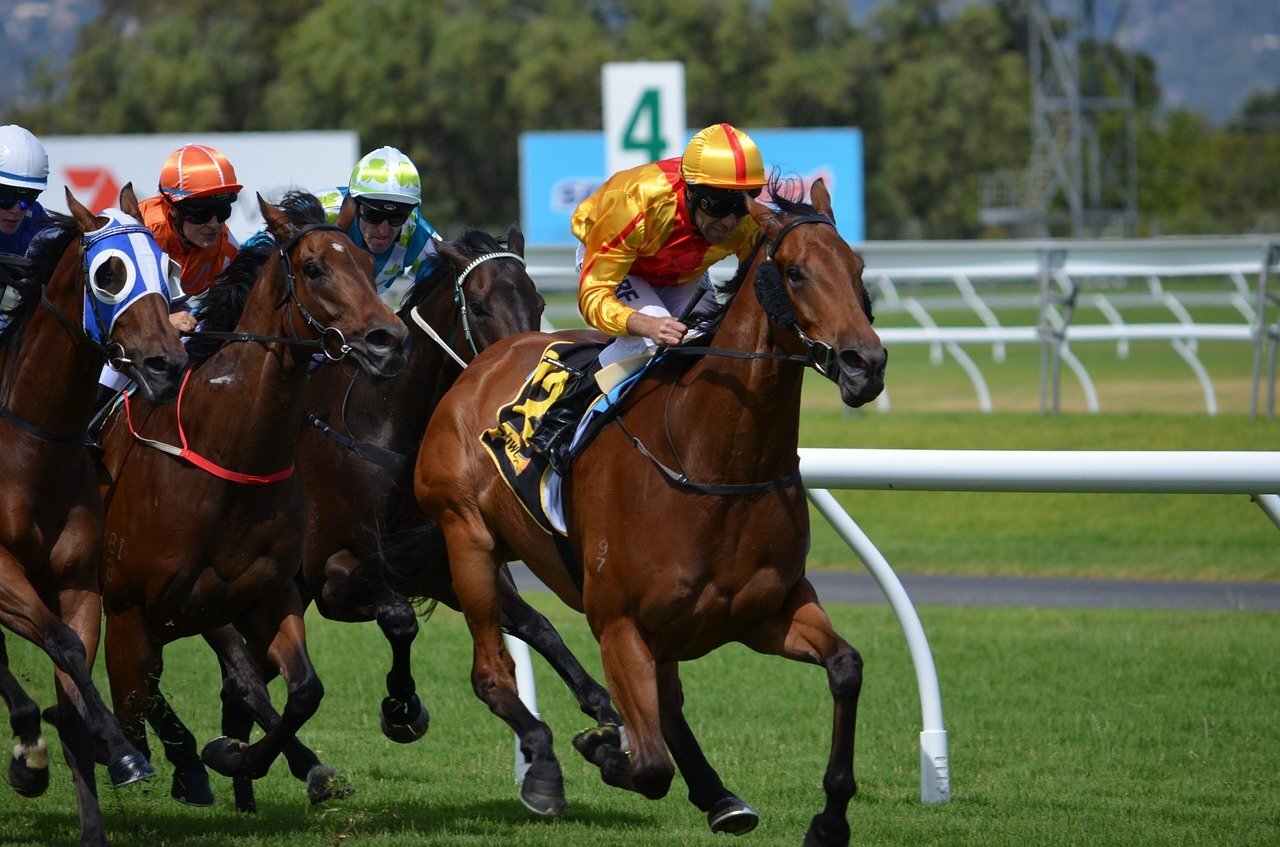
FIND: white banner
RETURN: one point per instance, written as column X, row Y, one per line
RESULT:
column 644, row 114
column 96, row 167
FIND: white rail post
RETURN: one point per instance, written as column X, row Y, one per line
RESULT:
column 935, row 774
column 527, row 690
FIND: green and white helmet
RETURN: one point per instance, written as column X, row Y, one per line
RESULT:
column 386, row 174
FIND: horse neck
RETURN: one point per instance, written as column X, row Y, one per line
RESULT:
column 257, row 386
column 756, row 401
column 48, row 346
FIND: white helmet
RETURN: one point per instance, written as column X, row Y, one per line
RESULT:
column 386, row 174
column 23, row 162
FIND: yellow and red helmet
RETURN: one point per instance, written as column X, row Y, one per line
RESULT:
column 196, row 170
column 722, row 156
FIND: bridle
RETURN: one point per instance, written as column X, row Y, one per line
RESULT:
column 380, row 455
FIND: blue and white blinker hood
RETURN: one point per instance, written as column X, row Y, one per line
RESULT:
column 148, row 270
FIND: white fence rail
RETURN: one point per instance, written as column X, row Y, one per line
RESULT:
column 1054, row 278
column 1199, row 472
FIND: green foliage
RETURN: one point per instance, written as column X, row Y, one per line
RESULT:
column 939, row 90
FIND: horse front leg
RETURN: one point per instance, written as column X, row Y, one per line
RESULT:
column 493, row 671
column 29, row 766
column 404, row 717
column 631, row 672
column 531, row 626
column 275, row 630
column 725, row 811
column 803, row 632
column 246, row 701
column 135, row 662
column 66, row 643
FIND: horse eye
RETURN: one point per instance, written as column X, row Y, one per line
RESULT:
column 108, row 278
column 794, row 273
column 312, row 270
column 478, row 309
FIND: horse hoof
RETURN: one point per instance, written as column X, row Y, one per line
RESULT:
column 130, row 769
column 325, row 783
column 27, row 777
column 225, row 755
column 543, row 790
column 589, row 741
column 192, row 788
column 399, row 721
column 733, row 816
column 823, row 834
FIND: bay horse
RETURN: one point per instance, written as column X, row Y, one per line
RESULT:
column 223, row 542
column 686, row 515
column 370, row 553
column 98, row 291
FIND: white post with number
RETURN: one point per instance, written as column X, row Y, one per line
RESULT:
column 644, row 118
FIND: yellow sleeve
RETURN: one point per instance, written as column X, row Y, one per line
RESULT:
column 611, row 227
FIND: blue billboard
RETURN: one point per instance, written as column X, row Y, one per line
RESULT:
column 558, row 170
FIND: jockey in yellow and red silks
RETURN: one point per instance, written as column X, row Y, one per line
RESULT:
column 650, row 233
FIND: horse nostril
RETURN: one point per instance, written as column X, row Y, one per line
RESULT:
column 384, row 340
column 163, row 367
column 871, row 363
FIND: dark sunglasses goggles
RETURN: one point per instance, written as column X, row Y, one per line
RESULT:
column 23, row 198
column 202, row 213
column 393, row 214
column 720, row 202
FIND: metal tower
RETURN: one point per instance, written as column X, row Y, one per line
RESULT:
column 1082, row 176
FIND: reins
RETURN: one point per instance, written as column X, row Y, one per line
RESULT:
column 390, row 459
column 821, row 365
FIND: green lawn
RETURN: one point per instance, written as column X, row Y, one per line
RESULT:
column 1065, row 727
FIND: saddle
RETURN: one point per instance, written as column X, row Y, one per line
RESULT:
column 530, row 440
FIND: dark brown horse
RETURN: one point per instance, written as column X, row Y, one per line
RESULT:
column 213, row 537
column 97, row 292
column 686, row 515
column 370, row 553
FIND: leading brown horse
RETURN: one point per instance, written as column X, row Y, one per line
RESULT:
column 686, row 515
column 97, row 292
column 213, row 536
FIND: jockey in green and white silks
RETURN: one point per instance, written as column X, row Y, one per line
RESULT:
column 389, row 222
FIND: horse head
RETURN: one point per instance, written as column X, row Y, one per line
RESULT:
column 127, row 286
column 809, row 282
column 493, row 295
column 329, row 288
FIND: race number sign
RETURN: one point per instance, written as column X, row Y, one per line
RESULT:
column 644, row 116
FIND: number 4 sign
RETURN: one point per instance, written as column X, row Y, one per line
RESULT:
column 644, row 117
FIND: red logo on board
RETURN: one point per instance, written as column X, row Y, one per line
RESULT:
column 96, row 188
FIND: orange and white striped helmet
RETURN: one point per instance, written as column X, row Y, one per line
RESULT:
column 197, row 170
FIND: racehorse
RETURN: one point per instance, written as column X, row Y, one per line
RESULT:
column 686, row 516
column 222, row 546
column 98, row 291
column 370, row 553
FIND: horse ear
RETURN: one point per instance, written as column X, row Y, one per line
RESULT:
column 278, row 222
column 764, row 217
column 85, row 219
column 515, row 240
column 129, row 202
column 821, row 198
column 346, row 214
column 452, row 255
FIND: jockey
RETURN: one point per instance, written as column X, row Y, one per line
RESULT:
column 387, row 192
column 650, row 233
column 24, row 173
column 188, row 219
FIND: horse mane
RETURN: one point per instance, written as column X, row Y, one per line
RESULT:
column 223, row 304
column 44, row 253
column 472, row 241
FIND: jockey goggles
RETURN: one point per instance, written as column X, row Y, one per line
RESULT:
column 376, row 211
column 721, row 202
column 23, row 198
column 201, row 210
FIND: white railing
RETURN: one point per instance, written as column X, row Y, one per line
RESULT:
column 1199, row 472
column 1052, row 278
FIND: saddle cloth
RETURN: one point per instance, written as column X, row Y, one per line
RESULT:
column 527, row 471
